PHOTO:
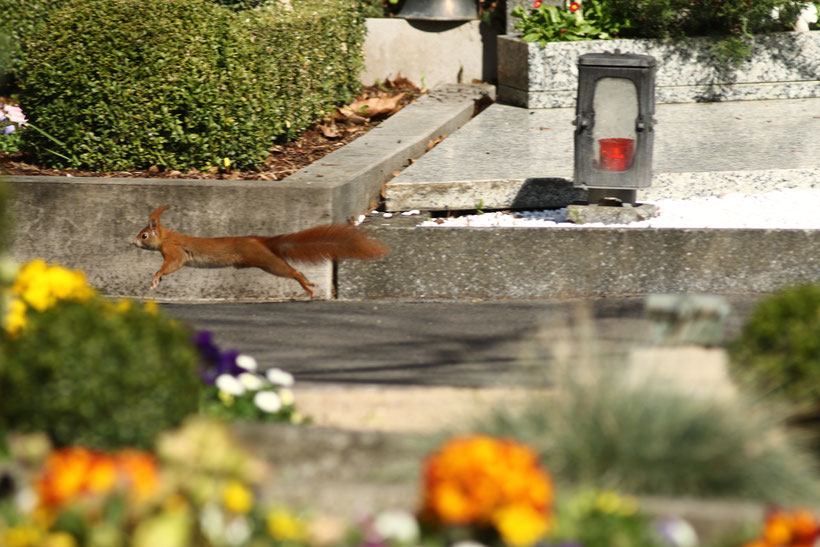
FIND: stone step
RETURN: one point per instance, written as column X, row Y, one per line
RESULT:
column 514, row 158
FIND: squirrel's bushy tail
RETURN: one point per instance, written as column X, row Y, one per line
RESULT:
column 327, row 242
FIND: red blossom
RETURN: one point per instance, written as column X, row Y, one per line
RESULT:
column 537, row 4
column 575, row 6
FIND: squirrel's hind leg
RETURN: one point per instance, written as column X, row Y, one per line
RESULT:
column 278, row 267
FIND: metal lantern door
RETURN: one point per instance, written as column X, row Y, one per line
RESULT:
column 614, row 124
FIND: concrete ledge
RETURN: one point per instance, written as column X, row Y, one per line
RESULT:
column 435, row 262
column 89, row 223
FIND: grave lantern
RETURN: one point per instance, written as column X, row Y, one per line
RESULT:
column 614, row 125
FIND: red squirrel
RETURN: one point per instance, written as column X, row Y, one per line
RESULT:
column 327, row 242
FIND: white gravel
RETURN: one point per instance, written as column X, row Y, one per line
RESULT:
column 796, row 209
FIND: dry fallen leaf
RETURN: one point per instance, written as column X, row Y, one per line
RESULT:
column 375, row 106
column 432, row 144
column 330, row 130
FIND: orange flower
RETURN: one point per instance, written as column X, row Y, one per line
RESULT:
column 140, row 471
column 796, row 528
column 479, row 480
column 76, row 471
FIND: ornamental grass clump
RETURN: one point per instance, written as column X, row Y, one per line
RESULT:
column 89, row 371
column 650, row 440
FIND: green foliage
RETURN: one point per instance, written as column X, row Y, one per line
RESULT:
column 20, row 19
column 312, row 53
column 652, row 441
column 593, row 20
column 241, row 5
column 677, row 18
column 733, row 21
column 593, row 517
column 94, row 374
column 778, row 350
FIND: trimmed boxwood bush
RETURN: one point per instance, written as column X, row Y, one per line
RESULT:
column 128, row 84
column 182, row 84
column 778, row 349
column 92, row 373
column 312, row 51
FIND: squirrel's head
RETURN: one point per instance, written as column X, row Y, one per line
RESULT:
column 151, row 236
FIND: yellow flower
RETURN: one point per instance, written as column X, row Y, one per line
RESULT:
column 520, row 525
column 41, row 286
column 16, row 317
column 237, row 498
column 284, row 526
column 24, row 535
column 59, row 539
column 122, row 305
column 151, row 307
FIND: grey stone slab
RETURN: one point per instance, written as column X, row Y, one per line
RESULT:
column 781, row 65
column 523, row 158
column 523, row 263
column 88, row 223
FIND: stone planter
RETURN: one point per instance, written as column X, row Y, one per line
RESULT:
column 782, row 65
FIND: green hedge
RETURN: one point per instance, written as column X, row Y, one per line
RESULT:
column 313, row 51
column 182, row 84
column 19, row 20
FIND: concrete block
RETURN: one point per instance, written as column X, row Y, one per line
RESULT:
column 782, row 66
column 89, row 223
column 438, row 262
column 429, row 53
column 690, row 370
column 605, row 214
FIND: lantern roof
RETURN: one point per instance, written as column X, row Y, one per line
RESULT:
column 617, row 59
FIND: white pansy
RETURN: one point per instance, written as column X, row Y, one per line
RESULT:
column 279, row 377
column 247, row 362
column 287, row 396
column 398, row 526
column 229, row 384
column 238, row 531
column 250, row 381
column 676, row 532
column 267, row 401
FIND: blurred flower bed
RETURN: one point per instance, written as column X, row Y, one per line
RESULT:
column 70, row 480
column 200, row 488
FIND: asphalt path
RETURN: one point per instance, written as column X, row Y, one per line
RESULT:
column 455, row 343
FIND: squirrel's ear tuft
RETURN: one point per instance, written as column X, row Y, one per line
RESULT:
column 153, row 221
column 157, row 212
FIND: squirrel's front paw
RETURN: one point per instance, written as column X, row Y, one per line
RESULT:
column 155, row 282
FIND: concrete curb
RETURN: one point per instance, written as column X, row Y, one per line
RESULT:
column 520, row 263
column 88, row 223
